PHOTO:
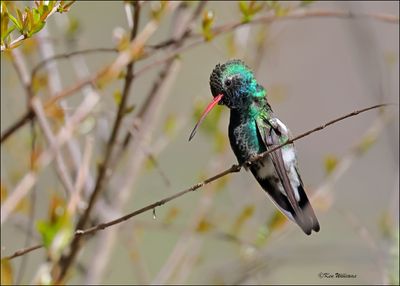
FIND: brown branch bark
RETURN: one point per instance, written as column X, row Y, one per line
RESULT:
column 232, row 169
column 296, row 14
column 66, row 261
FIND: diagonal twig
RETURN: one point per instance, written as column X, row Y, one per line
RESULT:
column 232, row 169
column 217, row 31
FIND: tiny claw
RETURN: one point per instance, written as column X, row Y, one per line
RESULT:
column 250, row 162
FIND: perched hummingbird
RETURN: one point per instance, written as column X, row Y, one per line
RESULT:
column 254, row 129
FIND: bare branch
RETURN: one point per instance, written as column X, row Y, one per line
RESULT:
column 125, row 58
column 26, row 183
column 217, row 31
column 233, row 169
column 82, row 176
column 23, row 251
column 61, row 168
column 43, row 63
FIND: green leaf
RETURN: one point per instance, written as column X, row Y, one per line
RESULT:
column 16, row 22
column 249, row 10
column 36, row 15
column 244, row 8
column 5, row 31
column 37, row 28
column 57, row 230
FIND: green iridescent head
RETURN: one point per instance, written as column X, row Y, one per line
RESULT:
column 237, row 84
column 233, row 84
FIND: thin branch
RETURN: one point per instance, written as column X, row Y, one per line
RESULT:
column 23, row 251
column 67, row 56
column 61, row 167
column 233, row 169
column 117, row 124
column 26, row 183
column 217, row 31
column 292, row 15
column 145, row 121
column 82, row 176
column 28, row 116
column 137, row 40
column 19, row 64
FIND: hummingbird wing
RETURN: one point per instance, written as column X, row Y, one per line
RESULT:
column 291, row 196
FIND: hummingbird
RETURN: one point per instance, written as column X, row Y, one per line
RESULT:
column 254, row 129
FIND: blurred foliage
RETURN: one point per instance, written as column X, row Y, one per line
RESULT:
column 57, row 230
column 246, row 213
column 55, row 112
column 171, row 215
column 250, row 8
column 207, row 24
column 169, row 127
column 157, row 9
column 204, row 225
column 330, row 163
column 274, row 223
column 40, row 81
column 27, row 21
column 367, row 142
column 6, row 272
column 117, row 95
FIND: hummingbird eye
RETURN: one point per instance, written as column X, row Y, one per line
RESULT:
column 228, row 82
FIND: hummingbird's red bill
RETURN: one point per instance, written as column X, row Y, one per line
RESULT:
column 206, row 111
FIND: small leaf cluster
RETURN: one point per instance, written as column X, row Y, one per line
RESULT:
column 27, row 21
column 249, row 9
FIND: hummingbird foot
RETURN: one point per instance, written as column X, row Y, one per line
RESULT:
column 250, row 162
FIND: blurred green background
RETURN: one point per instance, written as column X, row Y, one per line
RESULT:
column 314, row 70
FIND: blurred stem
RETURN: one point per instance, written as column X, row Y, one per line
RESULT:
column 104, row 172
column 217, row 31
column 29, row 179
column 177, row 41
column 19, row 64
column 144, row 124
column 182, row 258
